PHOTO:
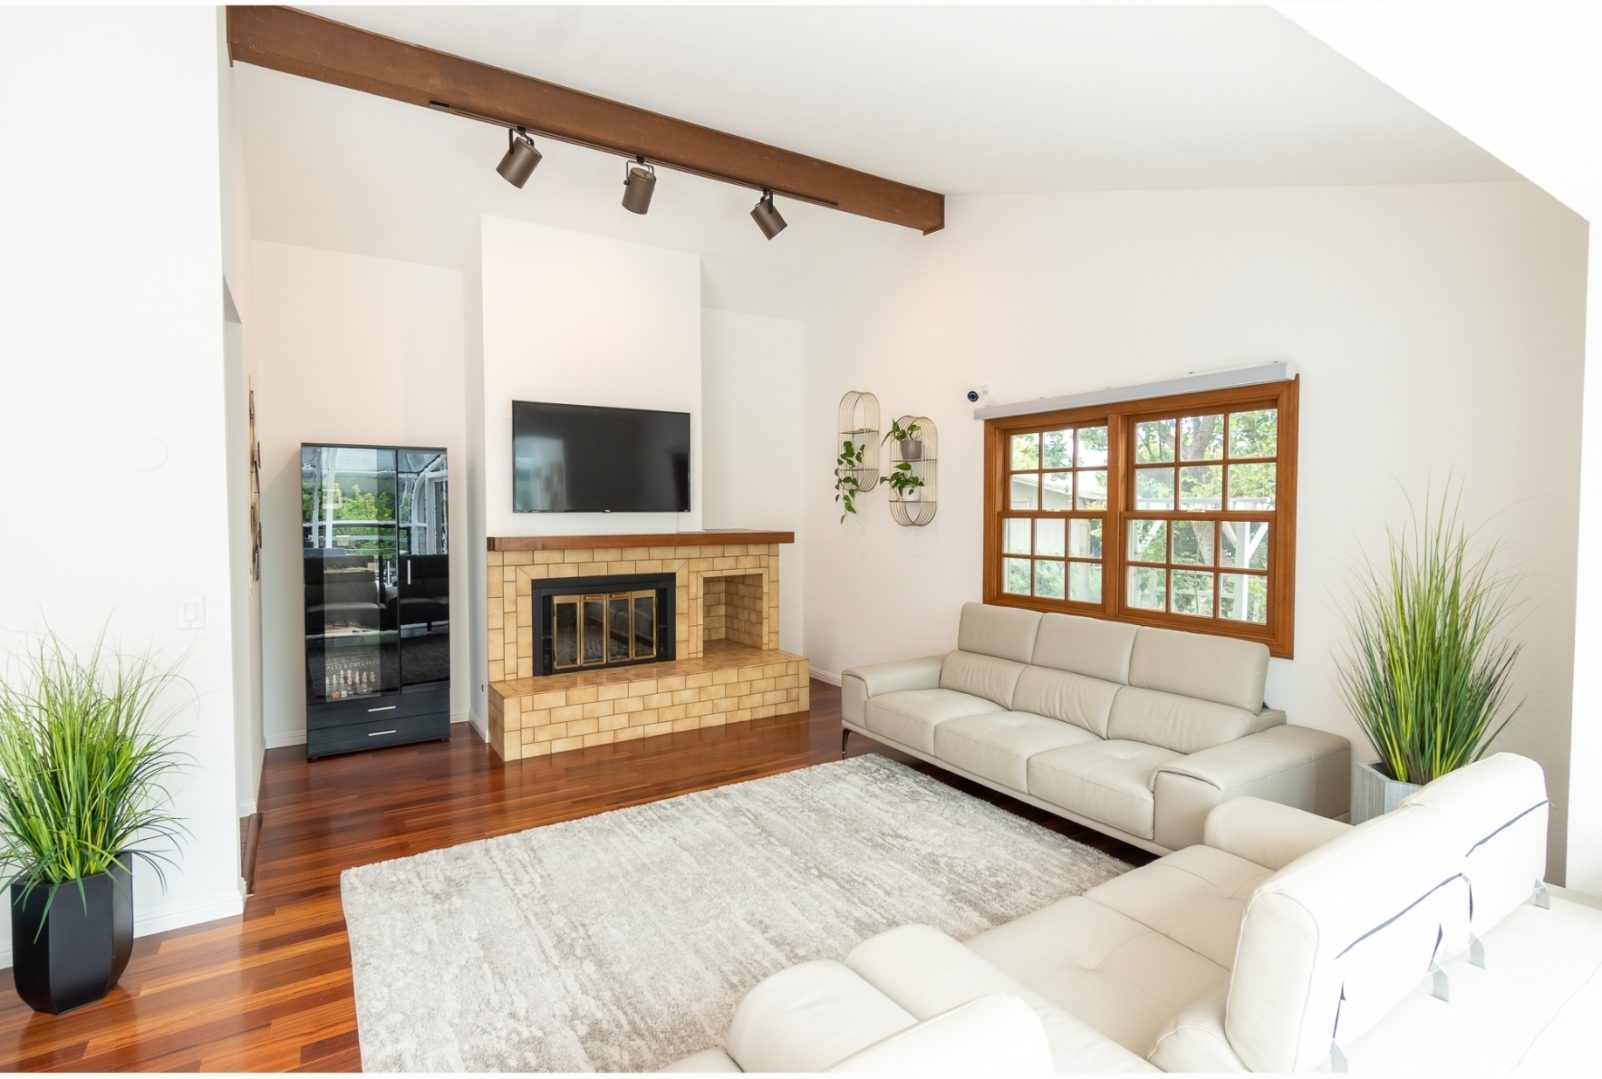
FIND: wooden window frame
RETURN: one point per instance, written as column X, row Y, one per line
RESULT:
column 1278, row 633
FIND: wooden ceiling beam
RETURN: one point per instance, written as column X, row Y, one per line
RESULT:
column 300, row 43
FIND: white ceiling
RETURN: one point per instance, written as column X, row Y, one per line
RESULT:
column 959, row 100
column 972, row 100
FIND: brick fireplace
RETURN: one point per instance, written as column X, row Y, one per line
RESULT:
column 726, row 666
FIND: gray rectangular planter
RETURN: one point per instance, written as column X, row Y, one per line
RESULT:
column 1374, row 792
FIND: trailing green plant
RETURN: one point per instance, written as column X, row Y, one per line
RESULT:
column 903, row 479
column 1427, row 667
column 847, row 481
column 83, row 767
column 908, row 433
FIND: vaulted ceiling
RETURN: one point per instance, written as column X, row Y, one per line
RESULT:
column 965, row 101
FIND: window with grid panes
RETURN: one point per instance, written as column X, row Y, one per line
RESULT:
column 1176, row 511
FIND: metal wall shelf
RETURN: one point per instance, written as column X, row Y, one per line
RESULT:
column 920, row 458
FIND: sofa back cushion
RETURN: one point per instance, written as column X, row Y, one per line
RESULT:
column 1500, row 807
column 1003, row 632
column 980, row 676
column 1216, row 669
column 1182, row 724
column 1332, row 942
column 1090, row 646
column 1073, row 698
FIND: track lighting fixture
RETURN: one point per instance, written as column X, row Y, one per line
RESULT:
column 521, row 158
column 639, row 181
column 767, row 216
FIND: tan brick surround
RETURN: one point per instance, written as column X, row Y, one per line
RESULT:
column 727, row 669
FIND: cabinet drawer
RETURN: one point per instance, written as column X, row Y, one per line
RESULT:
column 411, row 702
column 325, row 741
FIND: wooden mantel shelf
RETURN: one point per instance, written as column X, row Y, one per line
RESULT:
column 639, row 539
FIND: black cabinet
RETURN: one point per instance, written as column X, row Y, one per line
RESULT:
column 376, row 563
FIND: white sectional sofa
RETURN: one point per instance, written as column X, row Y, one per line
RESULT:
column 1418, row 942
column 1135, row 732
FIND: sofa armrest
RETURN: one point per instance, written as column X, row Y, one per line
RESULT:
column 1268, row 833
column 1193, row 1040
column 1296, row 766
column 992, row 1035
column 859, row 683
column 809, row 1017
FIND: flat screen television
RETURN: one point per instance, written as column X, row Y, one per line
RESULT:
column 586, row 459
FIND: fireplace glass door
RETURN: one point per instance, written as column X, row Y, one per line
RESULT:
column 600, row 629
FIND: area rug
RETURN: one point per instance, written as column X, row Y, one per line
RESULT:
column 623, row 941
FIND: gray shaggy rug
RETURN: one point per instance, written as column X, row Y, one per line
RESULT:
column 623, row 941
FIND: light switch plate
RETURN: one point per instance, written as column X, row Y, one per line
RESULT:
column 192, row 612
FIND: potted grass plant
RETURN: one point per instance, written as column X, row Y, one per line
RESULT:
column 82, row 795
column 1427, row 668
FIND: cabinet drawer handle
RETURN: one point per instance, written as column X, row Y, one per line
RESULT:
column 386, row 708
column 375, row 734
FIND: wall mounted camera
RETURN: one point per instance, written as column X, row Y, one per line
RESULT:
column 975, row 395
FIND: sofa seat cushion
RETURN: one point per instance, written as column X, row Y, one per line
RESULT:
column 1123, row 978
column 1106, row 781
column 998, row 745
column 926, row 972
column 910, row 716
column 1195, row 897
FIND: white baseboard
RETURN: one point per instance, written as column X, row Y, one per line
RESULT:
column 283, row 739
column 247, row 808
column 831, row 677
column 479, row 725
column 159, row 921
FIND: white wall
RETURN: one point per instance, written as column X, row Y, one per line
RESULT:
column 1437, row 330
column 585, row 320
column 358, row 350
column 245, row 589
column 1539, row 115
column 753, row 459
column 111, row 385
column 473, row 428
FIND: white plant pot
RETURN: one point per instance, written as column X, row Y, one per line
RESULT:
column 911, row 494
column 1374, row 792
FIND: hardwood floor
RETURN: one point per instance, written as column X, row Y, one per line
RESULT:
column 271, row 990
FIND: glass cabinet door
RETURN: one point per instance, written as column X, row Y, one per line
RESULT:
column 348, row 523
column 424, row 580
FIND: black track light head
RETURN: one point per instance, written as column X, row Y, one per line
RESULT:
column 521, row 158
column 767, row 216
column 639, row 181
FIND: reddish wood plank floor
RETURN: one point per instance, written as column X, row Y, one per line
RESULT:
column 271, row 990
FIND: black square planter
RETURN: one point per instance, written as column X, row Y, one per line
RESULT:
column 84, row 945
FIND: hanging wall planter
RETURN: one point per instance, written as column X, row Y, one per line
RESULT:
column 914, row 470
column 856, row 461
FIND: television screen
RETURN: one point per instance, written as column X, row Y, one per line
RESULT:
column 585, row 459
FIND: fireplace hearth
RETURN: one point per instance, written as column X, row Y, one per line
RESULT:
column 589, row 623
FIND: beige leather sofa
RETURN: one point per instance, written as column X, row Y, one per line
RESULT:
column 1135, row 732
column 1418, row 942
